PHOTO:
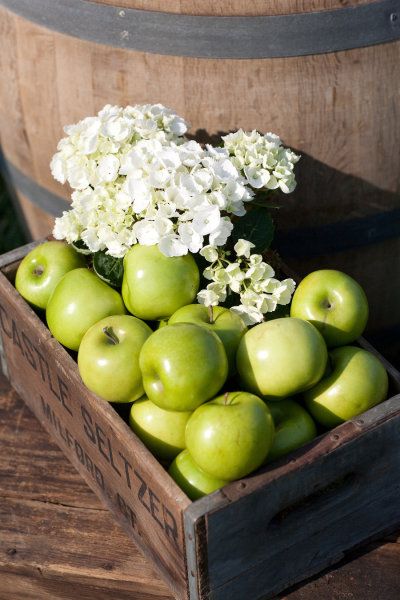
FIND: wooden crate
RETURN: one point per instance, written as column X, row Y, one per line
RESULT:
column 253, row 538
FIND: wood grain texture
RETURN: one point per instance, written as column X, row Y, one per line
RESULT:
column 39, row 222
column 10, row 260
column 32, row 469
column 56, row 538
column 11, row 108
column 321, row 105
column 339, row 110
column 17, row 586
column 336, row 500
column 99, row 444
column 64, row 513
column 374, row 573
column 90, row 563
column 233, row 7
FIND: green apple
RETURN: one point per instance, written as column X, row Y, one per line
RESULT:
column 162, row 431
column 191, row 479
column 228, row 326
column 183, row 365
column 108, row 358
column 78, row 301
column 41, row 270
column 357, row 382
column 154, row 285
column 293, row 427
column 335, row 303
column 162, row 323
column 281, row 357
column 230, row 436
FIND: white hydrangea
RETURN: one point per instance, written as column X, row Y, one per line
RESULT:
column 209, row 253
column 243, row 248
column 265, row 163
column 178, row 196
column 137, row 179
column 101, row 217
column 249, row 277
column 95, row 147
column 213, row 295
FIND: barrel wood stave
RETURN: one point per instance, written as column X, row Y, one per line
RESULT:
column 233, row 7
column 339, row 110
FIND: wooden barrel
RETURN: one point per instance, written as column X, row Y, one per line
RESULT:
column 323, row 74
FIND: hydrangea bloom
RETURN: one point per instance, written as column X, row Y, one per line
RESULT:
column 136, row 178
column 96, row 146
column 249, row 277
column 178, row 196
column 262, row 158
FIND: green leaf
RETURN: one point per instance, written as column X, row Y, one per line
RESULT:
column 81, row 247
column 257, row 227
column 108, row 268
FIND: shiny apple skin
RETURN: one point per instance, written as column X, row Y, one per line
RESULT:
column 230, row 436
column 154, row 285
column 228, row 326
column 358, row 382
column 80, row 300
column 191, row 479
column 112, row 370
column 335, row 303
column 183, row 365
column 41, row 270
column 162, row 431
column 294, row 427
column 280, row 358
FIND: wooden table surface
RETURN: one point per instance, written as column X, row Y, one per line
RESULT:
column 58, row 542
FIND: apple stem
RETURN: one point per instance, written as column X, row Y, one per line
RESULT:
column 110, row 335
column 211, row 314
column 226, row 396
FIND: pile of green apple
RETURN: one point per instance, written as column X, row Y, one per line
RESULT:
column 212, row 399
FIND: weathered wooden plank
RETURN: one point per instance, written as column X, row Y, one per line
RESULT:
column 36, row 534
column 28, row 576
column 17, row 254
column 301, row 523
column 103, row 448
column 368, row 576
column 31, row 468
column 15, row 586
column 73, row 547
column 56, row 538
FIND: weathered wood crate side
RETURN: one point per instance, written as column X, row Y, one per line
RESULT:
column 257, row 537
column 113, row 461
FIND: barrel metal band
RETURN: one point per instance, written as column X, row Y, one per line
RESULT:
column 299, row 243
column 235, row 37
column 39, row 196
